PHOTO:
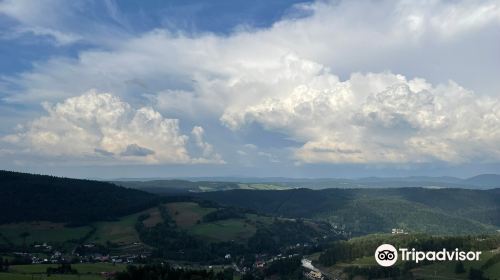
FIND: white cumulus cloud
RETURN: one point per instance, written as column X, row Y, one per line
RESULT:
column 206, row 148
column 101, row 126
column 375, row 117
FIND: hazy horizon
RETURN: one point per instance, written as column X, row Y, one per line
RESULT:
column 246, row 178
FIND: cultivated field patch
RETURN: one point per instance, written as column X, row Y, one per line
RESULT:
column 187, row 214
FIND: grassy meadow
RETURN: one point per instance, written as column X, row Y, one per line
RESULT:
column 40, row 232
column 187, row 215
column 37, row 271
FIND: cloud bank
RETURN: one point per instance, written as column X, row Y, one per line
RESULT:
column 376, row 118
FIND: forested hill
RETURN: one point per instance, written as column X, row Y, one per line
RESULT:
column 362, row 211
column 28, row 197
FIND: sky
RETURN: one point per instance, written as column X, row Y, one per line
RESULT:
column 281, row 88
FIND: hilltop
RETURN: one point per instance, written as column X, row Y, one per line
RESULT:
column 29, row 197
column 485, row 180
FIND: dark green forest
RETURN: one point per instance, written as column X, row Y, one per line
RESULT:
column 28, row 197
column 345, row 251
column 364, row 211
column 167, row 272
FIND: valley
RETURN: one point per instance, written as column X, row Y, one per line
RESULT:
column 244, row 232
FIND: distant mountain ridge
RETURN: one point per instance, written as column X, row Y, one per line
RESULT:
column 487, row 180
column 176, row 186
column 224, row 183
column 444, row 179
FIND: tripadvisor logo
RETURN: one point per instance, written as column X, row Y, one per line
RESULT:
column 387, row 255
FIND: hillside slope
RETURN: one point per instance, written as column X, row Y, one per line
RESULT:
column 362, row 211
column 28, row 197
column 485, row 180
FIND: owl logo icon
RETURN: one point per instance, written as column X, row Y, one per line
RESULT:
column 386, row 255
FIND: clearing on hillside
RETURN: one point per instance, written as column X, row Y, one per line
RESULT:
column 187, row 214
column 40, row 232
column 123, row 231
column 153, row 219
column 225, row 230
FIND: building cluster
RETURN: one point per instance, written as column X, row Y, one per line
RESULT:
column 46, row 254
column 398, row 231
column 314, row 275
column 311, row 272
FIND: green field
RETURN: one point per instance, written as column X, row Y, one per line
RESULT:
column 40, row 232
column 447, row 269
column 15, row 276
column 365, row 261
column 82, row 268
column 262, row 219
column 123, row 231
column 262, row 187
column 187, row 214
column 153, row 219
column 37, row 271
column 224, row 230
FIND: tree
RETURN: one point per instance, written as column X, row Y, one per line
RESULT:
column 64, row 268
column 248, row 276
column 459, row 268
column 24, row 235
column 4, row 265
column 476, row 274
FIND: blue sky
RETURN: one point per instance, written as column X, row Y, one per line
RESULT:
column 221, row 17
column 250, row 88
